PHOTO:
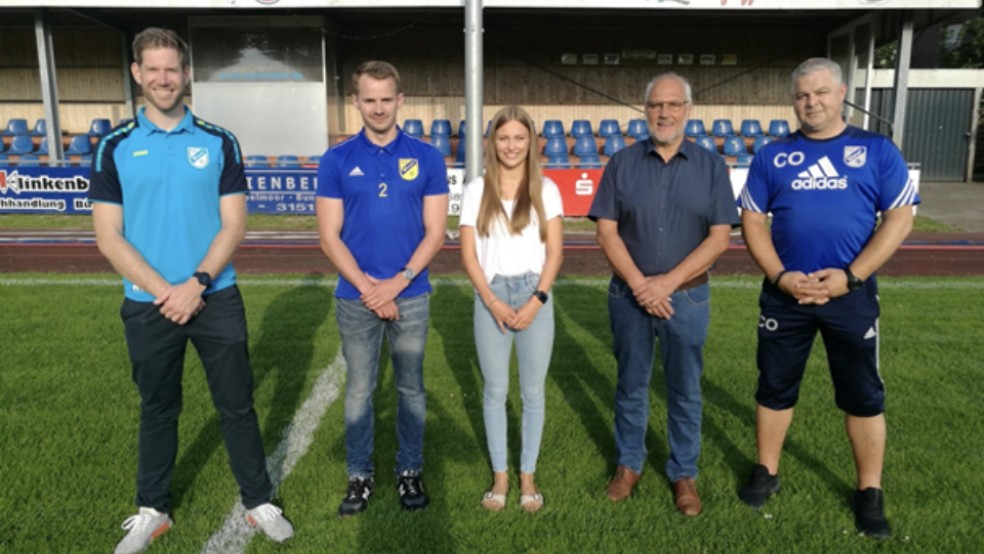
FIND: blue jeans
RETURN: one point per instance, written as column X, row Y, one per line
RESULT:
column 681, row 340
column 362, row 340
column 534, row 346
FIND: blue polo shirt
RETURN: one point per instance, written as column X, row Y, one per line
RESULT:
column 664, row 210
column 824, row 195
column 169, row 184
column 382, row 189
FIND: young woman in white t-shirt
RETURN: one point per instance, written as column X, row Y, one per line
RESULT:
column 512, row 247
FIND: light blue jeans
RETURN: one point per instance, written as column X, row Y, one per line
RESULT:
column 534, row 346
column 362, row 339
column 681, row 339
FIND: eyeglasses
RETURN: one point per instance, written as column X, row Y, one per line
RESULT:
column 674, row 106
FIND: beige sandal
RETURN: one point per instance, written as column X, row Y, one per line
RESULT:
column 493, row 502
column 531, row 502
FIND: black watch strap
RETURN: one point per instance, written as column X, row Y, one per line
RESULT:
column 204, row 278
column 541, row 296
column 853, row 281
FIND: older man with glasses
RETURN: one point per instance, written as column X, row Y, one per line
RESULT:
column 664, row 213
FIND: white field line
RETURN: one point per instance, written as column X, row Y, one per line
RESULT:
column 297, row 437
column 723, row 282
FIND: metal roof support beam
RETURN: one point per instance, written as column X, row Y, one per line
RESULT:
column 903, row 60
column 49, row 84
column 474, row 85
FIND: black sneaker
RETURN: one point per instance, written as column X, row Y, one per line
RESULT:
column 869, row 513
column 759, row 488
column 411, row 489
column 357, row 497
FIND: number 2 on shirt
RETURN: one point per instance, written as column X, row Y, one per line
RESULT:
column 382, row 190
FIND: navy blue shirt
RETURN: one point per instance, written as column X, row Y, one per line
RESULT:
column 664, row 210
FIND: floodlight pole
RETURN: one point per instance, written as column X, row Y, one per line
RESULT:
column 474, row 125
column 49, row 84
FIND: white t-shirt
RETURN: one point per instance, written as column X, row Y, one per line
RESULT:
column 502, row 253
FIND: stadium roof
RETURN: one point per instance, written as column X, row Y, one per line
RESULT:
column 716, row 5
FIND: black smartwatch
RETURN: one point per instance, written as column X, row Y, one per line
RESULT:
column 541, row 296
column 204, row 279
column 853, row 282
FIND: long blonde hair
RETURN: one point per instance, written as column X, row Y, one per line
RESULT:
column 529, row 196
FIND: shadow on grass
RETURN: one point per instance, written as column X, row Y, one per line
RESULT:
column 284, row 351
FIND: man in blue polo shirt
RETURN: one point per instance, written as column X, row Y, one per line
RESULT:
column 169, row 210
column 382, row 212
column 824, row 186
column 664, row 210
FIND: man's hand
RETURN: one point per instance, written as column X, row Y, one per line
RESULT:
column 654, row 295
column 833, row 281
column 383, row 291
column 180, row 303
column 806, row 288
column 388, row 312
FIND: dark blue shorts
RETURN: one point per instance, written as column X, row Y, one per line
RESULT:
column 849, row 328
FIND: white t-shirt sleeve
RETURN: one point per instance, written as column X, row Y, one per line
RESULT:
column 471, row 201
column 553, row 204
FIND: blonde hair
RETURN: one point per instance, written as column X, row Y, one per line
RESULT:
column 377, row 70
column 154, row 37
column 529, row 196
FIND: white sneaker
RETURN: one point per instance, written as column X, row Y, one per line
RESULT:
column 269, row 519
column 143, row 528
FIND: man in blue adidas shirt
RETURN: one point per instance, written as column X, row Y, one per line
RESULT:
column 382, row 209
column 169, row 210
column 824, row 187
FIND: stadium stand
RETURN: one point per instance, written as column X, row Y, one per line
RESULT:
column 695, row 128
column 289, row 161
column 15, row 126
column 257, row 160
column 459, row 153
column 556, row 151
column 743, row 160
column 28, row 160
column 79, row 145
column 638, row 129
column 722, row 128
column 42, row 147
column 760, row 142
column 778, row 128
column 590, row 162
column 580, row 128
column 314, row 160
column 553, row 128
column 707, row 142
column 584, row 146
column 613, row 144
column 608, row 128
column 414, row 127
column 441, row 127
column 100, row 127
column 440, row 141
column 751, row 128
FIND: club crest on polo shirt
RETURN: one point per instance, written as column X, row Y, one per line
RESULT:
column 855, row 156
column 409, row 168
column 198, row 157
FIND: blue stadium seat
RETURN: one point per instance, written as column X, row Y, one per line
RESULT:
column 585, row 146
column 43, row 147
column 778, row 128
column 462, row 128
column 79, row 145
column 441, row 142
column 554, row 147
column 441, row 127
column 40, row 128
column 21, row 144
column 15, row 126
column 751, row 128
column 553, row 128
column 288, row 161
column 316, row 159
column 638, row 129
column 100, row 127
column 613, row 144
column 257, row 160
column 695, row 128
column 459, row 153
column 734, row 146
column 580, row 128
column 414, row 127
column 3, row 147
column 3, row 158
column 29, row 160
column 722, row 128
column 608, row 128
column 590, row 162
column 706, row 142
column 743, row 160
column 760, row 142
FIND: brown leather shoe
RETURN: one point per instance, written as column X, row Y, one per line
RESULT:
column 687, row 500
column 620, row 487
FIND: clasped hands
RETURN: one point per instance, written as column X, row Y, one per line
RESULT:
column 180, row 303
column 380, row 296
column 517, row 320
column 816, row 288
column 654, row 293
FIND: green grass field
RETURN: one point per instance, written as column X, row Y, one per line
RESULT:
column 69, row 415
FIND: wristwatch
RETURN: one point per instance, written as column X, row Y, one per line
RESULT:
column 541, row 296
column 409, row 274
column 204, row 279
column 853, row 282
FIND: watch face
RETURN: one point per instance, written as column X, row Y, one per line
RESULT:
column 409, row 274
